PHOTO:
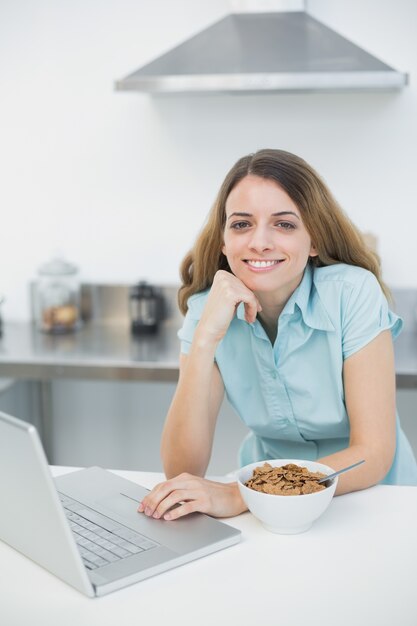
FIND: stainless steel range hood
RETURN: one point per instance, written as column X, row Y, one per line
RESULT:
column 264, row 52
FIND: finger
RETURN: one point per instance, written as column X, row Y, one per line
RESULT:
column 161, row 491
column 145, row 500
column 252, row 308
column 184, row 509
column 177, row 496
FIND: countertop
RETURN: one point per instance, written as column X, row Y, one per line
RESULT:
column 356, row 565
column 101, row 351
column 105, row 351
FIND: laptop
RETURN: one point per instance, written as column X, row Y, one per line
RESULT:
column 84, row 526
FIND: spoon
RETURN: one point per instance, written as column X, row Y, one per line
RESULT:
column 345, row 469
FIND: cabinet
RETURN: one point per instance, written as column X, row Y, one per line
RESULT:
column 115, row 424
column 407, row 410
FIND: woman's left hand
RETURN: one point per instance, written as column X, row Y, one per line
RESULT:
column 195, row 494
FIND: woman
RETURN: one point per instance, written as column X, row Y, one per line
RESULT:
column 285, row 310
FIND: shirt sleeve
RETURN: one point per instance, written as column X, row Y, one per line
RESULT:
column 186, row 333
column 365, row 315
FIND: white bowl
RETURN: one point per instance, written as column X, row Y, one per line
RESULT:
column 287, row 515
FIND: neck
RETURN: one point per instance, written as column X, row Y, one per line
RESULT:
column 268, row 317
column 270, row 326
column 272, row 306
column 273, row 302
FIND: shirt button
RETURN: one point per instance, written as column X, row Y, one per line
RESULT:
column 274, row 374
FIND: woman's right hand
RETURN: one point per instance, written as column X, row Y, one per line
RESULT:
column 194, row 494
column 226, row 293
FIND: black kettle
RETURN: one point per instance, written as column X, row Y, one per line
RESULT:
column 147, row 308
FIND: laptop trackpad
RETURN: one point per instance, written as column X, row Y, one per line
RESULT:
column 121, row 504
column 181, row 535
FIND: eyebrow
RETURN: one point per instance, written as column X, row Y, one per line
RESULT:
column 279, row 214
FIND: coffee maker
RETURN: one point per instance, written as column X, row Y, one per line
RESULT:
column 147, row 308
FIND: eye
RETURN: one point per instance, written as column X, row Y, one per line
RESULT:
column 286, row 225
column 239, row 225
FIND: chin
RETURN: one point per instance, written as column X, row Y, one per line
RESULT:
column 260, row 283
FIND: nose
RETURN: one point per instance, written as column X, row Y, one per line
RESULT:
column 261, row 239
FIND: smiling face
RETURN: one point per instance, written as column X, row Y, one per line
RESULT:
column 265, row 241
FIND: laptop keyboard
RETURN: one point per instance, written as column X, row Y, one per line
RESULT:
column 101, row 540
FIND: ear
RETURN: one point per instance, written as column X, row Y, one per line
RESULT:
column 313, row 251
column 224, row 249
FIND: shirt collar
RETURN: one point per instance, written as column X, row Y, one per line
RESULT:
column 308, row 302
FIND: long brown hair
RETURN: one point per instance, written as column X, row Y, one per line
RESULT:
column 334, row 236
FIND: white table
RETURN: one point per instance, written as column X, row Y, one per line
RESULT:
column 362, row 552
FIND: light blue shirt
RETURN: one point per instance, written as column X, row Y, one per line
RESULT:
column 291, row 394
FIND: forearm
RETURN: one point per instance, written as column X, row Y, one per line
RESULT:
column 188, row 432
column 369, row 386
column 369, row 473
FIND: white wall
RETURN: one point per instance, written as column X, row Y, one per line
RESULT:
column 121, row 182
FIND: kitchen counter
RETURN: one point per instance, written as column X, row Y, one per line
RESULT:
column 356, row 565
column 96, row 351
column 109, row 352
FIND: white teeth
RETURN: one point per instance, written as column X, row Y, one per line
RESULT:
column 262, row 263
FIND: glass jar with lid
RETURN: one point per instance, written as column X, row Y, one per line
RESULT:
column 57, row 297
